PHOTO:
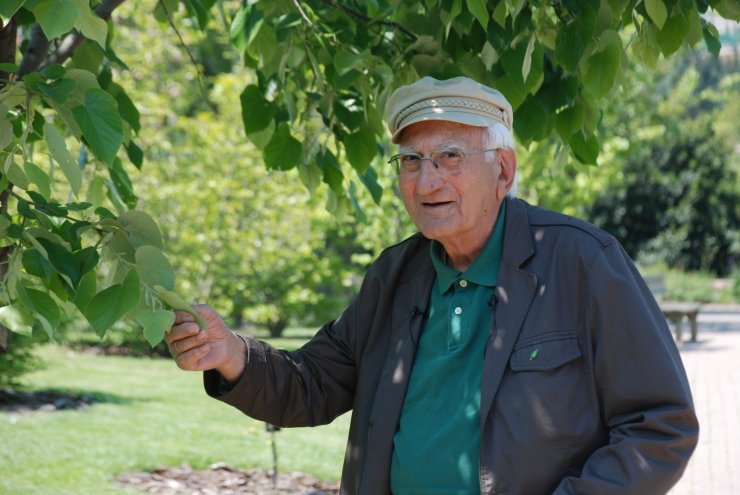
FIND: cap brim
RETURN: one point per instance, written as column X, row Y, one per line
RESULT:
column 438, row 113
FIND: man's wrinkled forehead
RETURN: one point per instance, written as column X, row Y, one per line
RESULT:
column 440, row 134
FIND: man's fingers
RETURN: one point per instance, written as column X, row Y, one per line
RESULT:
column 181, row 331
column 186, row 339
column 183, row 317
column 192, row 360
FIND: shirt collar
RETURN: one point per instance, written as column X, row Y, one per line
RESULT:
column 484, row 270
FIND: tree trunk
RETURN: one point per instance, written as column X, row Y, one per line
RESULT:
column 8, row 36
column 276, row 327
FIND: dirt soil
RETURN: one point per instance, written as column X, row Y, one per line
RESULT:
column 221, row 479
column 45, row 400
column 218, row 479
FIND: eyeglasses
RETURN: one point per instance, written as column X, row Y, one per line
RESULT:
column 448, row 161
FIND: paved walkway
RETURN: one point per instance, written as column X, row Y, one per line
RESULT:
column 713, row 367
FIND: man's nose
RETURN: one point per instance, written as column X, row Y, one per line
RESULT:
column 429, row 178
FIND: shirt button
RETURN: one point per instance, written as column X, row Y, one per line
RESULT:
column 463, row 283
column 458, row 310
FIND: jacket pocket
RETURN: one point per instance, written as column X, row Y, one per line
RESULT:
column 545, row 352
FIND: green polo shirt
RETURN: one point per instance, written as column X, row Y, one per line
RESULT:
column 437, row 445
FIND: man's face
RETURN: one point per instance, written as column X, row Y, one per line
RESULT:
column 457, row 210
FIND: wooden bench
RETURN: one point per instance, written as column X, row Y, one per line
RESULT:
column 675, row 312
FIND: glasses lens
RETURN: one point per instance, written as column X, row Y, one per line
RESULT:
column 409, row 162
column 449, row 161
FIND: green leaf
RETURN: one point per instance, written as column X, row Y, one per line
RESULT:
column 111, row 304
column 569, row 120
column 574, row 37
column 674, row 31
column 527, row 64
column 96, row 192
column 135, row 154
column 141, row 229
column 585, row 149
column 126, row 108
column 16, row 175
column 500, row 13
column 89, row 24
column 63, row 261
column 56, row 17
column 370, row 180
column 100, row 124
column 154, row 268
column 8, row 67
column 86, row 290
column 257, row 112
column 35, row 264
column 53, row 71
column 61, row 155
column 602, row 67
column 155, row 322
column 283, row 152
column 530, row 120
column 729, row 9
column 245, row 27
column 165, row 9
column 711, row 40
column 58, row 91
column 200, row 10
column 43, row 307
column 88, row 56
column 122, row 183
column 87, row 259
column 6, row 131
column 332, row 170
column 361, row 148
column 177, row 303
column 9, row 7
column 657, row 11
column 345, row 61
column 479, row 11
column 16, row 319
column 359, row 212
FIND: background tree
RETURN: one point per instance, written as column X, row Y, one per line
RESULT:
column 679, row 197
column 322, row 71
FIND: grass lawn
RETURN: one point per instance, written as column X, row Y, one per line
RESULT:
column 149, row 414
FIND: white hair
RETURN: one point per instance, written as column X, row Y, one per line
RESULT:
column 498, row 136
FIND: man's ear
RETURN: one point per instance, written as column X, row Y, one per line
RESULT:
column 507, row 172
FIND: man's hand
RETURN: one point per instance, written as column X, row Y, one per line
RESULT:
column 198, row 349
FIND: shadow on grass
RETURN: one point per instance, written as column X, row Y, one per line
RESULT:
column 23, row 401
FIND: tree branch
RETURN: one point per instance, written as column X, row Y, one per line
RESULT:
column 363, row 18
column 8, row 35
column 38, row 46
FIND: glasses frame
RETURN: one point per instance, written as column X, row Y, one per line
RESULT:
column 396, row 159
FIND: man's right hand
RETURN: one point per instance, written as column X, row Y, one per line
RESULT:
column 199, row 349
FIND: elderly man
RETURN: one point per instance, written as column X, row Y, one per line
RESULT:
column 504, row 349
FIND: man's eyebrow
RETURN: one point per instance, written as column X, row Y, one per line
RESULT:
column 446, row 146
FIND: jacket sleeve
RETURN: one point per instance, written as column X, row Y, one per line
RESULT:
column 307, row 387
column 641, row 384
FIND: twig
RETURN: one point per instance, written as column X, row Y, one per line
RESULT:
column 201, row 77
column 361, row 17
column 38, row 46
column 297, row 4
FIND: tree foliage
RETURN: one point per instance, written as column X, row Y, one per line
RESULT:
column 679, row 198
column 72, row 238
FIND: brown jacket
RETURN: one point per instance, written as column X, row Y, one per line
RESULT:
column 603, row 408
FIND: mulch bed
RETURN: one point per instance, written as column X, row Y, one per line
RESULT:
column 16, row 401
column 221, row 479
